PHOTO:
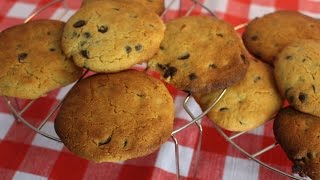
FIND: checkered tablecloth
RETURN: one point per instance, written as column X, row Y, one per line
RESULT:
column 27, row 155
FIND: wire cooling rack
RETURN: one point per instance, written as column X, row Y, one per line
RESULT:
column 18, row 111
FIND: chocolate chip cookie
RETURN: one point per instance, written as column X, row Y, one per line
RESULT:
column 298, row 134
column 266, row 36
column 156, row 6
column 297, row 74
column 112, row 36
column 32, row 62
column 115, row 117
column 248, row 104
column 199, row 54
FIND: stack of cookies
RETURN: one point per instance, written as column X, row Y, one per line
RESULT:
column 116, row 114
column 120, row 115
column 290, row 42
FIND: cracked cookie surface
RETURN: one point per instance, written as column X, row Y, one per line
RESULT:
column 112, row 36
column 297, row 73
column 248, row 104
column 32, row 62
column 115, row 117
column 266, row 36
column 298, row 134
column 156, row 6
column 199, row 54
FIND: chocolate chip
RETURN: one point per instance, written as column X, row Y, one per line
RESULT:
column 254, row 38
column 313, row 88
column 223, row 109
column 52, row 49
column 170, row 72
column 256, row 79
column 192, row 76
column 183, row 26
column 243, row 57
column 296, row 168
column 304, row 60
column 87, row 35
column 161, row 66
column 22, row 56
column 107, row 141
column 116, row 9
column 125, row 143
column 184, row 56
column 103, row 29
column 161, row 47
column 128, row 49
column 219, row 34
column 85, row 53
column 289, row 57
column 138, row 47
column 79, row 23
column 311, row 155
column 241, row 122
column 303, row 97
column 213, row 66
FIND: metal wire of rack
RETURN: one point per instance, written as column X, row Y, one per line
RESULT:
column 18, row 112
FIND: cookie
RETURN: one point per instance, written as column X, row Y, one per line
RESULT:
column 266, row 36
column 112, row 36
column 296, row 72
column 298, row 134
column 248, row 104
column 32, row 62
column 115, row 117
column 199, row 54
column 156, row 6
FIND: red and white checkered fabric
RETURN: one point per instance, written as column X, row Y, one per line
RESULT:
column 27, row 155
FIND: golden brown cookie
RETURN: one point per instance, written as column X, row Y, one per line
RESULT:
column 266, row 36
column 298, row 134
column 115, row 117
column 156, row 6
column 199, row 54
column 32, row 62
column 247, row 104
column 112, row 36
column 297, row 74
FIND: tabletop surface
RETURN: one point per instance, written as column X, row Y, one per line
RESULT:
column 27, row 155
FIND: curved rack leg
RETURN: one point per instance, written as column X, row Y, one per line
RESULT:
column 19, row 114
column 256, row 154
column 197, row 121
column 27, row 123
column 176, row 148
column 198, row 151
column 16, row 106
